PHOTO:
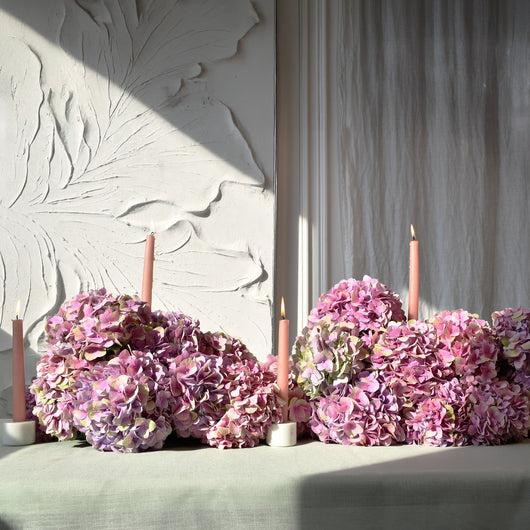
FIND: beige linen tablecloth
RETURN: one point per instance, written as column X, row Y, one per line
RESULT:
column 311, row 485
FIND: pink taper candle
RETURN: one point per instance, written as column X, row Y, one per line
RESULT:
column 149, row 258
column 283, row 362
column 19, row 379
column 414, row 277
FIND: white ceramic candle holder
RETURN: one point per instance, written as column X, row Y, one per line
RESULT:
column 282, row 434
column 18, row 432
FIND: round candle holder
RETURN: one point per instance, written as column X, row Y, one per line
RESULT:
column 17, row 432
column 282, row 434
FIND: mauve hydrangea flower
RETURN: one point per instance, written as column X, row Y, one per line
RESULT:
column 366, row 303
column 498, row 412
column 468, row 340
column 223, row 394
column 366, row 413
column 124, row 376
column 327, row 354
column 440, row 382
column 54, row 389
column 199, row 396
column 121, row 406
column 439, row 419
column 513, row 328
column 230, row 349
column 299, row 409
column 87, row 330
column 94, row 324
column 199, row 382
column 171, row 335
column 406, row 356
column 253, row 407
column 40, row 430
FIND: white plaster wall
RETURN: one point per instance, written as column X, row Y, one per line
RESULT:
column 113, row 114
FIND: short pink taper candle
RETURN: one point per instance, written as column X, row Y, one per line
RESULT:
column 283, row 362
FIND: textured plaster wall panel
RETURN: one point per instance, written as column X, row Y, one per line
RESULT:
column 108, row 121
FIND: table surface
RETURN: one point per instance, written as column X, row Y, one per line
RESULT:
column 310, row 485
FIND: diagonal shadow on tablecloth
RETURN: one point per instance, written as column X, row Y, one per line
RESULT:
column 466, row 487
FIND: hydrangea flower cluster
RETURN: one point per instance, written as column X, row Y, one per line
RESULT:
column 123, row 404
column 366, row 413
column 254, row 407
column 371, row 378
column 125, row 377
column 40, row 430
column 513, row 328
column 329, row 353
column 366, row 303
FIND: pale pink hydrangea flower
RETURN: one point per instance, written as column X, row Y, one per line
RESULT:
column 439, row 419
column 122, row 405
column 362, row 414
column 366, row 303
column 498, row 412
column 327, row 354
column 407, row 357
column 253, row 407
column 513, row 328
column 199, row 383
column 469, row 341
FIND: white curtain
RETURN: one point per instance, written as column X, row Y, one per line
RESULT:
column 434, row 121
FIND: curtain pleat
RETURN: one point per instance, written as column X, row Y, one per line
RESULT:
column 434, row 121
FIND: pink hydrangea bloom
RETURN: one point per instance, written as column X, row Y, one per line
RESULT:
column 364, row 414
column 443, row 381
column 439, row 419
column 366, row 303
column 223, row 394
column 513, row 328
column 122, row 405
column 327, row 354
column 124, row 376
column 407, row 357
column 40, row 429
column 253, row 407
column 199, row 383
column 469, row 341
column 169, row 335
column 92, row 323
column 54, row 389
column 200, row 399
column 498, row 412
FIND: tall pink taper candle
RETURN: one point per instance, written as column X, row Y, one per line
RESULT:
column 283, row 362
column 414, row 277
column 149, row 258
column 19, row 379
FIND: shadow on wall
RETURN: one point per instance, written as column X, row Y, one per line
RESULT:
column 149, row 51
